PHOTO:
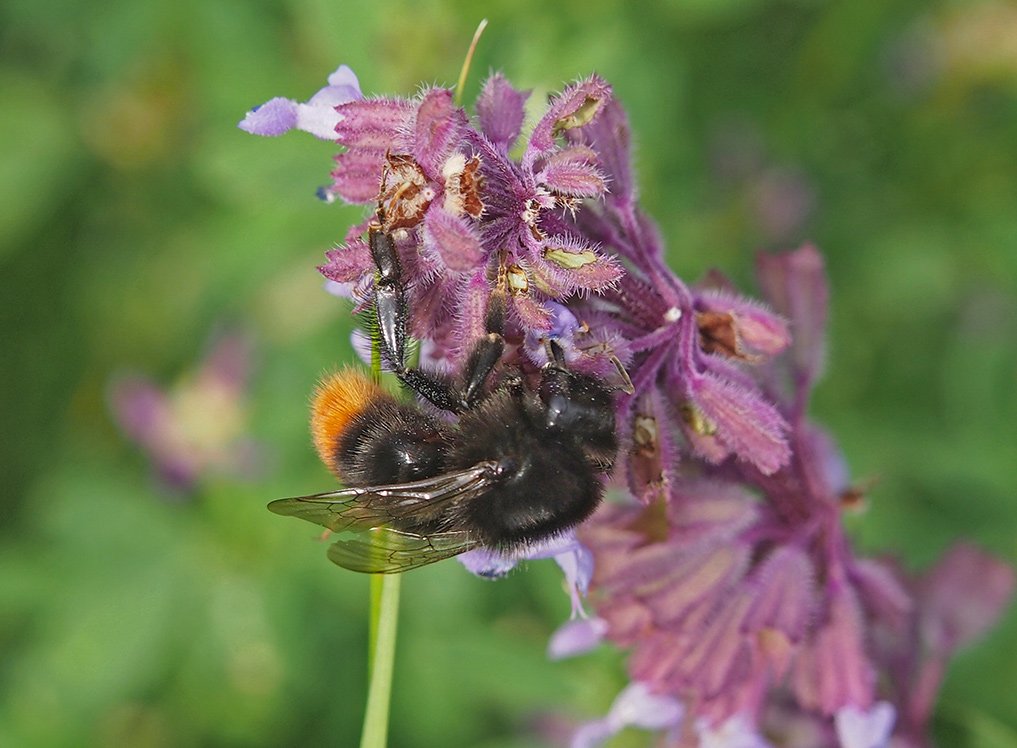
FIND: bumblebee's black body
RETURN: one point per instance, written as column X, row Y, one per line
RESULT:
column 518, row 465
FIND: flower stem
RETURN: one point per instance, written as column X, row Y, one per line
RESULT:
column 384, row 619
column 469, row 59
column 381, row 637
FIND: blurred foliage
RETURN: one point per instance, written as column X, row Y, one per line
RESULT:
column 137, row 218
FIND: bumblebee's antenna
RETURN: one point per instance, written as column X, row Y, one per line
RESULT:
column 626, row 386
column 556, row 352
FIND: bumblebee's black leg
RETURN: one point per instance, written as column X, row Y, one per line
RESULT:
column 486, row 352
column 388, row 295
column 390, row 304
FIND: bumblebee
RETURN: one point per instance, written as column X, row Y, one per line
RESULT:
column 519, row 462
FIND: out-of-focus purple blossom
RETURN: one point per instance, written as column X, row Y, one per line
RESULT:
column 636, row 706
column 795, row 283
column 196, row 428
column 962, row 597
column 727, row 600
column 954, row 603
column 317, row 116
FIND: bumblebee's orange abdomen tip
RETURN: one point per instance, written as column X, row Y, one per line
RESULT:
column 338, row 399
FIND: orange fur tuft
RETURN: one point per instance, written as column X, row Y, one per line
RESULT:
column 338, row 399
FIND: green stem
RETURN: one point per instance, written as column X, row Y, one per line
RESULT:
column 384, row 619
column 372, row 623
column 465, row 70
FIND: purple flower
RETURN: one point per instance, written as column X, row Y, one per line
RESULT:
column 461, row 210
column 317, row 116
column 730, row 601
column 196, row 428
column 724, row 567
column 693, row 345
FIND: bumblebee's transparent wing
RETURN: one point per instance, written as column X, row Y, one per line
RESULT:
column 388, row 551
column 361, row 508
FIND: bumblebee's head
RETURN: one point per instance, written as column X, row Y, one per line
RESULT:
column 578, row 407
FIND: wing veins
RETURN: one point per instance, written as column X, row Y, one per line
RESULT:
column 361, row 508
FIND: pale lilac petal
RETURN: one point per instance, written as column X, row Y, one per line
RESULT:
column 577, row 564
column 320, row 121
column 563, row 329
column 500, row 110
column 318, row 116
column 342, row 290
column 865, row 729
column 576, row 637
column 636, row 706
column 274, row 117
column 487, row 563
column 363, row 346
column 592, row 734
column 736, row 732
column 554, row 546
column 344, row 77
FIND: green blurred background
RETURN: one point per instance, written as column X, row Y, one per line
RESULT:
column 136, row 219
